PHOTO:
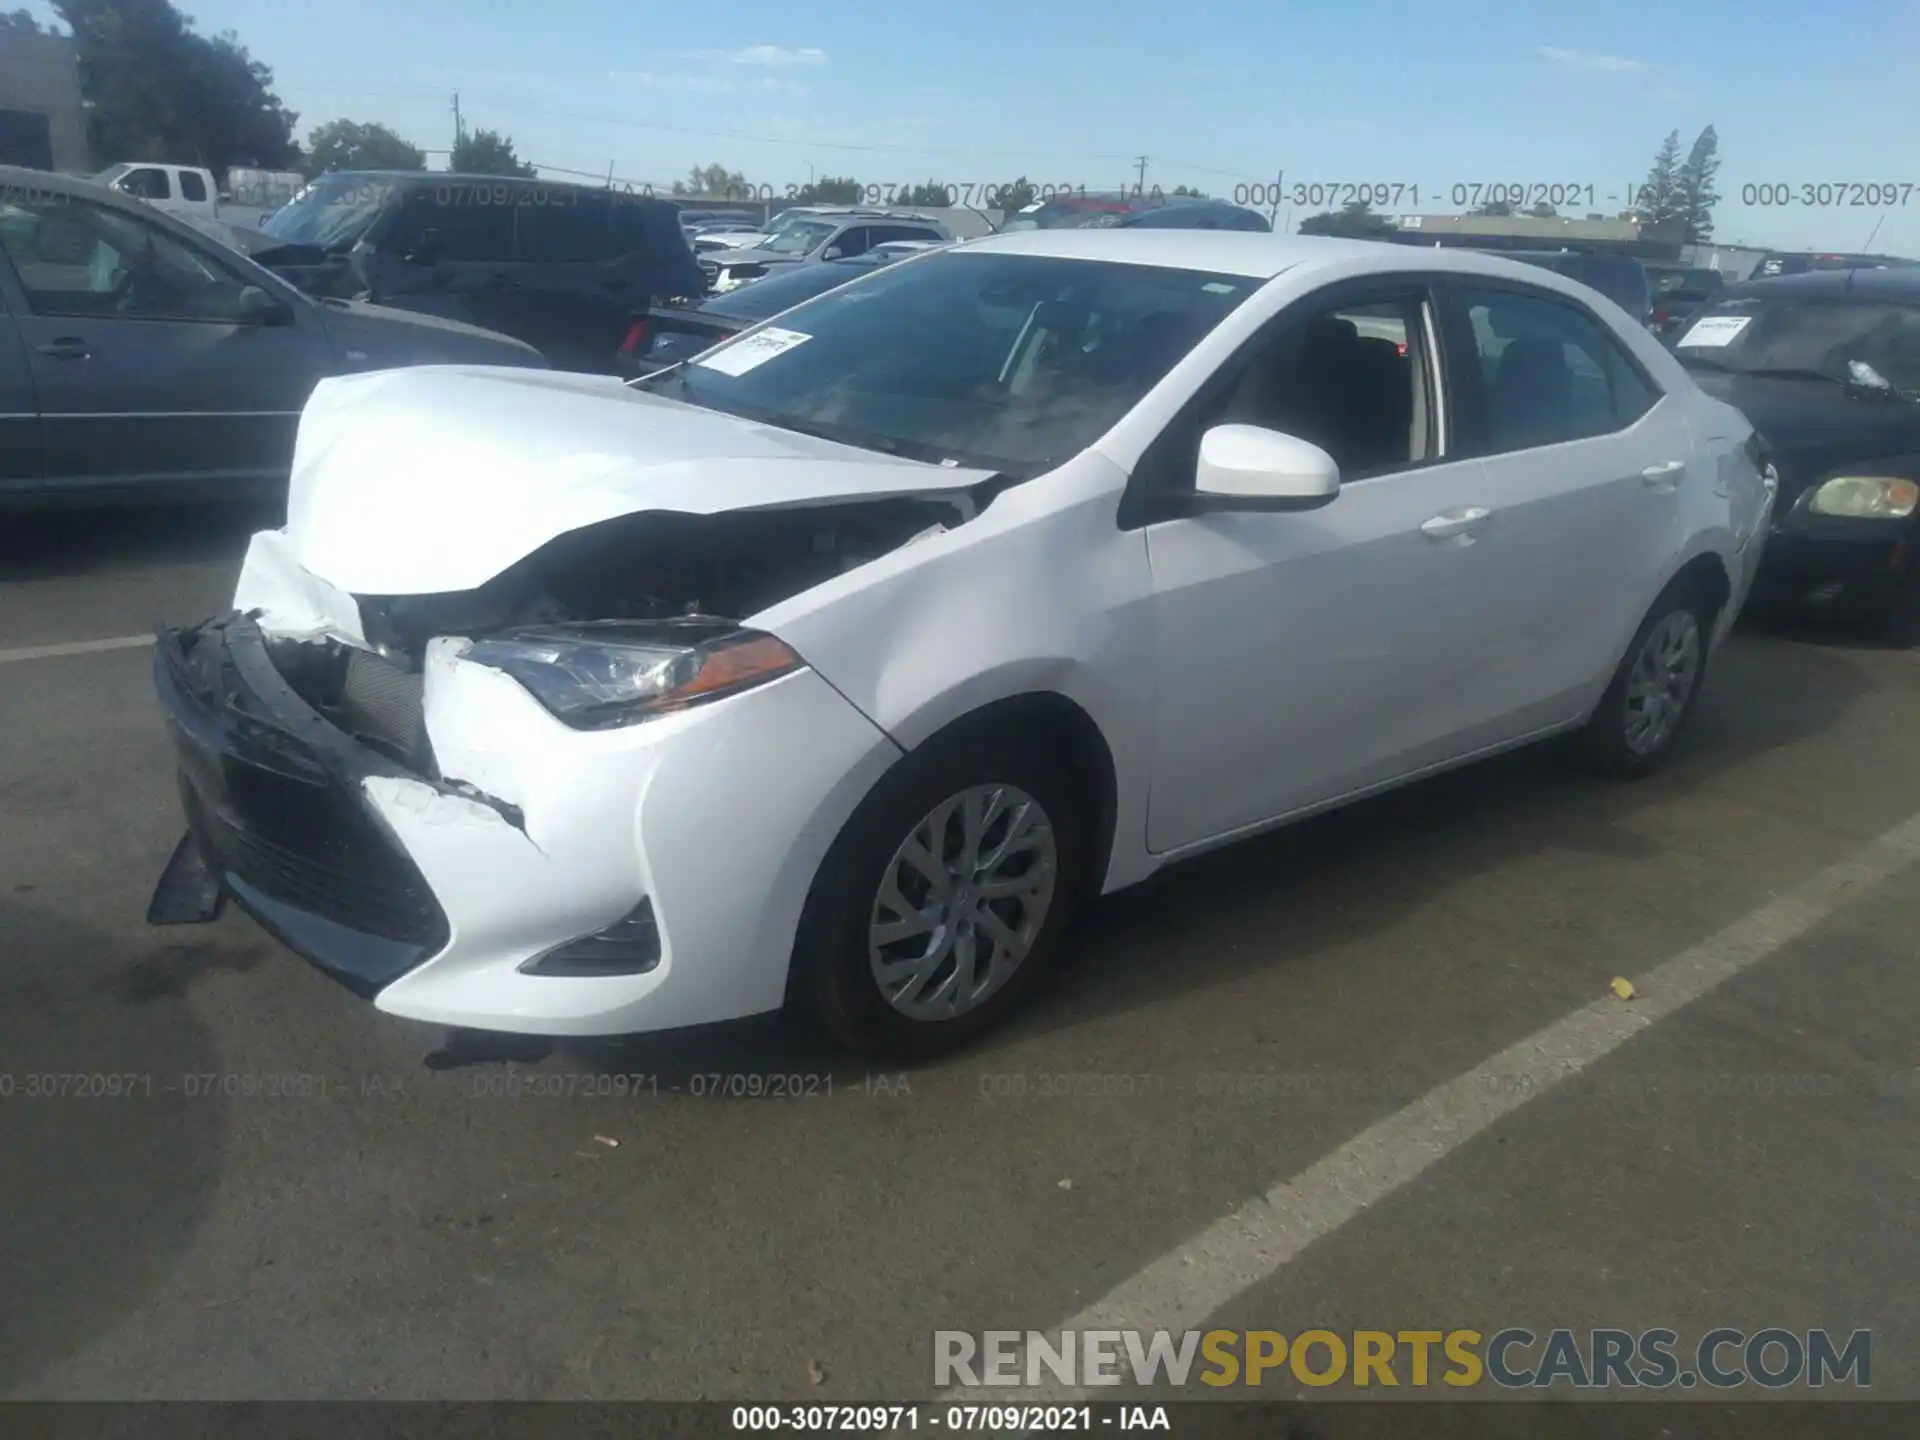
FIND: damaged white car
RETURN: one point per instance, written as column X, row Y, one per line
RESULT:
column 837, row 666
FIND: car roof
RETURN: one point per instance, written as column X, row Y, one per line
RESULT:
column 1898, row 283
column 1253, row 254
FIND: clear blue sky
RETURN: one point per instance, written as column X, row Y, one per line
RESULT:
column 1214, row 94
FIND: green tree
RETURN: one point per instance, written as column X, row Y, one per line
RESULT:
column 928, row 192
column 1188, row 192
column 1696, row 195
column 487, row 152
column 1659, row 197
column 715, row 182
column 831, row 190
column 1494, row 209
column 349, row 145
column 154, row 89
column 1356, row 220
column 1544, row 211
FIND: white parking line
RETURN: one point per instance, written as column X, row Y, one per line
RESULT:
column 74, row 647
column 1178, row 1291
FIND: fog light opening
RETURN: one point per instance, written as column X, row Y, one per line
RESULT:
column 629, row 946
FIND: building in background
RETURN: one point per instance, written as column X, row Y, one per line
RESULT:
column 42, row 123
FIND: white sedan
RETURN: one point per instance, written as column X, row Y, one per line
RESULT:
column 839, row 666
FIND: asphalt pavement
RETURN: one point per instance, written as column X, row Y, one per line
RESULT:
column 1260, row 1072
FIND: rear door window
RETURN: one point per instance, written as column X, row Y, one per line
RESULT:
column 1549, row 372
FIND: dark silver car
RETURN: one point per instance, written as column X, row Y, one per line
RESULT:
column 140, row 358
column 815, row 233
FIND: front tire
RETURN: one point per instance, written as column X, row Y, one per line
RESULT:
column 943, row 903
column 1633, row 730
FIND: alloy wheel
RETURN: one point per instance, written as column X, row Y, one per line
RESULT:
column 1662, row 681
column 961, row 902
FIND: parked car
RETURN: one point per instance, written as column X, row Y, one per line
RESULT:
column 1074, row 211
column 1827, row 367
column 184, row 190
column 817, row 232
column 138, row 359
column 711, row 222
column 666, row 335
column 1800, row 262
column 1621, row 278
column 842, row 666
column 1195, row 215
column 1678, row 293
column 559, row 266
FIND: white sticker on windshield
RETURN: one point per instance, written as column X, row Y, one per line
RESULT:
column 1716, row 330
column 1214, row 287
column 754, row 351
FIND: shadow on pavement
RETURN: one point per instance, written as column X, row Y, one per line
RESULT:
column 107, row 1167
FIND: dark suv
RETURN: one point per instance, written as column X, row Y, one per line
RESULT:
column 559, row 266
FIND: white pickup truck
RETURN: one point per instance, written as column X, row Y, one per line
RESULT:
column 183, row 190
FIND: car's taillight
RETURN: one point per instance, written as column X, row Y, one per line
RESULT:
column 636, row 338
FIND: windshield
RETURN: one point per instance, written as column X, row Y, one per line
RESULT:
column 334, row 211
column 112, row 173
column 799, row 236
column 1807, row 336
column 1037, row 356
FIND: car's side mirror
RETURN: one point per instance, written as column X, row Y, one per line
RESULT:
column 1245, row 467
column 257, row 307
column 832, row 252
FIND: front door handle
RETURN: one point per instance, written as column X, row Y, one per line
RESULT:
column 67, row 347
column 1449, row 523
column 1667, row 472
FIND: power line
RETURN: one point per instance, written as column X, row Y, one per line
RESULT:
column 1030, row 156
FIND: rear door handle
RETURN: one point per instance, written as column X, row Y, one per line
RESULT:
column 1449, row 523
column 67, row 347
column 1667, row 472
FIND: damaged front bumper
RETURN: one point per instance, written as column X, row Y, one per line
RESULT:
column 277, row 817
column 506, row 875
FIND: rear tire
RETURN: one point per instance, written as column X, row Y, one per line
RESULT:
column 1009, row 880
column 1653, row 694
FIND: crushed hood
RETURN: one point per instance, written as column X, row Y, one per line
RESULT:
column 434, row 479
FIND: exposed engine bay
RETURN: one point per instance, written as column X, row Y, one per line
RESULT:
column 652, row 566
column 648, row 566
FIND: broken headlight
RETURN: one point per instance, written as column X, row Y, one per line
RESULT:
column 605, row 674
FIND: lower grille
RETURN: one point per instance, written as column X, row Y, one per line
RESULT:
column 393, row 907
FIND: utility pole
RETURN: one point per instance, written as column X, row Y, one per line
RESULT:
column 1140, row 187
column 459, row 134
column 1274, row 213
